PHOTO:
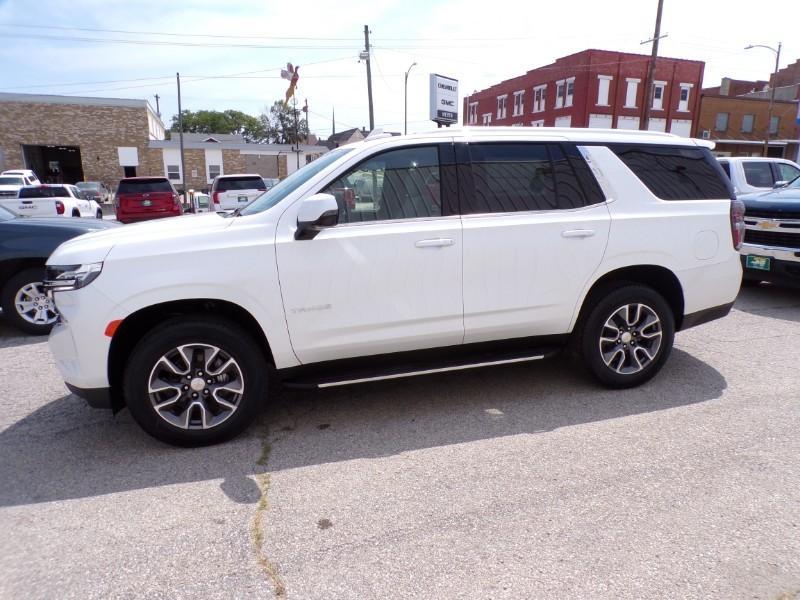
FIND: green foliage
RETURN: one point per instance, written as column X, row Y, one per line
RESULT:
column 275, row 126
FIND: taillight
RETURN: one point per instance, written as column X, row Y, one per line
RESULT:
column 59, row 207
column 215, row 197
column 176, row 200
column 737, row 223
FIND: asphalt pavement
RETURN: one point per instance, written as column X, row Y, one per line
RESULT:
column 525, row 481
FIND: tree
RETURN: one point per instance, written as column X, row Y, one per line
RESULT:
column 279, row 124
column 229, row 122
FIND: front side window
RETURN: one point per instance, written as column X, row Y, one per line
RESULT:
column 396, row 184
column 676, row 172
column 518, row 177
column 787, row 172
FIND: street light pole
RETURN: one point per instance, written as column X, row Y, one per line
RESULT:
column 405, row 100
column 771, row 90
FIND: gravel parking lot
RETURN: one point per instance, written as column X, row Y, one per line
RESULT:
column 526, row 481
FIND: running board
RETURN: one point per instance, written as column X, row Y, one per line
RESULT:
column 342, row 377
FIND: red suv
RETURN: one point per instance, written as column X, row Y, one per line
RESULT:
column 143, row 198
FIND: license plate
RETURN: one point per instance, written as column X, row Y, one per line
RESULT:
column 242, row 198
column 760, row 263
column 146, row 202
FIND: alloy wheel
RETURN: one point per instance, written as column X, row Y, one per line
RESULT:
column 630, row 338
column 195, row 386
column 34, row 305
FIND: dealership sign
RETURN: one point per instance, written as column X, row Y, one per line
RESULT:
column 444, row 99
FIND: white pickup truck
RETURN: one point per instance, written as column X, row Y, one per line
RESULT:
column 52, row 200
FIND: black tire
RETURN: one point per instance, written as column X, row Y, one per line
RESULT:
column 75, row 213
column 231, row 340
column 99, row 214
column 634, row 363
column 7, row 300
column 750, row 282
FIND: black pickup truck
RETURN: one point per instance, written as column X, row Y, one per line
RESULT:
column 25, row 244
column 771, row 249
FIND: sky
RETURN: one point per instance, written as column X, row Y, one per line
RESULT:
column 230, row 53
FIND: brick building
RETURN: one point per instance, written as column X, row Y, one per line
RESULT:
column 593, row 88
column 69, row 139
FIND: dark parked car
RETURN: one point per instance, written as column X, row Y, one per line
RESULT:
column 144, row 198
column 771, row 249
column 25, row 244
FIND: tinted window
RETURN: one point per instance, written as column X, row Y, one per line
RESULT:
column 239, row 183
column 727, row 168
column 676, row 173
column 529, row 176
column 11, row 181
column 398, row 184
column 758, row 174
column 44, row 192
column 140, row 186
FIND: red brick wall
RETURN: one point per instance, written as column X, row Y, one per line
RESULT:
column 585, row 67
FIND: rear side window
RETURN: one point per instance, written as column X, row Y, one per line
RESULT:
column 676, row 173
column 239, row 183
column 528, row 176
column 758, row 174
column 140, row 186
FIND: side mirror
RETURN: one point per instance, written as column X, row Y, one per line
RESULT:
column 316, row 212
column 780, row 184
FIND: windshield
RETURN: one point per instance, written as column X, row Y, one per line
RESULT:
column 275, row 194
column 11, row 181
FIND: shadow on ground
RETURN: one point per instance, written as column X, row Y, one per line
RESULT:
column 65, row 450
column 767, row 300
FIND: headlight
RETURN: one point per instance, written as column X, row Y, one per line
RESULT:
column 65, row 278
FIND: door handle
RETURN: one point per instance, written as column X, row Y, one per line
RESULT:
column 577, row 233
column 434, row 243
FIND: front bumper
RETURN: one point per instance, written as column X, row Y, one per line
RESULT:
column 784, row 264
column 95, row 397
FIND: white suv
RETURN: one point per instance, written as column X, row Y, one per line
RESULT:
column 230, row 192
column 402, row 256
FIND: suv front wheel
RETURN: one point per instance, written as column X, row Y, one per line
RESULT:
column 194, row 382
column 627, row 336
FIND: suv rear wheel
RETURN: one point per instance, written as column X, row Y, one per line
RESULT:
column 627, row 336
column 194, row 382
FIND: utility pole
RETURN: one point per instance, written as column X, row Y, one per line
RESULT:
column 651, row 69
column 365, row 56
column 296, row 134
column 158, row 109
column 180, row 137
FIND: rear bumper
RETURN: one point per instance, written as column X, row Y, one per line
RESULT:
column 704, row 316
column 148, row 216
column 95, row 397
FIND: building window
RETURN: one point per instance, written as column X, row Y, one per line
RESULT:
column 174, row 172
column 747, row 123
column 683, row 103
column 502, row 102
column 487, row 119
column 570, row 91
column 539, row 98
column 560, row 89
column 721, row 122
column 519, row 103
column 539, row 123
column 774, row 124
column 603, row 87
column 473, row 113
column 658, row 95
column 630, row 94
column 214, row 171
